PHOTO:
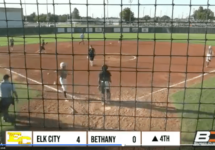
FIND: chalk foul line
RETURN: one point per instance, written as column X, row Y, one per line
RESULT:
column 163, row 89
column 37, row 82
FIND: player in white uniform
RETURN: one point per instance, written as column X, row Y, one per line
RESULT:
column 82, row 38
column 63, row 73
column 209, row 55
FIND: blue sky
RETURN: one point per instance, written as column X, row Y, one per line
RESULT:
column 147, row 7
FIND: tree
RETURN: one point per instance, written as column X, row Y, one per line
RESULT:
column 53, row 18
column 203, row 14
column 146, row 17
column 156, row 19
column 165, row 17
column 40, row 18
column 75, row 14
column 31, row 17
column 63, row 18
column 126, row 13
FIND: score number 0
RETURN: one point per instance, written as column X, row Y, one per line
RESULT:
column 134, row 139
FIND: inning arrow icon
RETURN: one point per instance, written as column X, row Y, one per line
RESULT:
column 155, row 139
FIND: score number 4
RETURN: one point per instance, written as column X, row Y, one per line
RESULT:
column 78, row 139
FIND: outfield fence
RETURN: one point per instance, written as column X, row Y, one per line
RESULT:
column 69, row 30
column 198, row 118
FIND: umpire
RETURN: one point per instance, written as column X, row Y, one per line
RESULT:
column 7, row 92
column 91, row 55
column 104, row 83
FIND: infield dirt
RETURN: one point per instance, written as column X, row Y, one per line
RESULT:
column 142, row 68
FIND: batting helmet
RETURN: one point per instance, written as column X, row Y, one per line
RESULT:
column 62, row 64
column 104, row 67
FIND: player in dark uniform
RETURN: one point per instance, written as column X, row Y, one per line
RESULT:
column 104, row 83
column 11, row 43
column 42, row 47
column 120, row 39
column 91, row 55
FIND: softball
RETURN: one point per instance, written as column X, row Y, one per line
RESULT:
column 48, row 73
column 54, row 83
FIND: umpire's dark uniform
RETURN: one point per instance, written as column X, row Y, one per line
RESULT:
column 104, row 82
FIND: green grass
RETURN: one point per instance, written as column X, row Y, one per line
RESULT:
column 196, row 108
column 180, row 38
column 24, row 94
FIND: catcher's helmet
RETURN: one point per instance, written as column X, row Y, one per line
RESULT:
column 104, row 67
column 62, row 64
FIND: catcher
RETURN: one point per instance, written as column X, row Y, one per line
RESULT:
column 42, row 47
column 104, row 84
column 209, row 55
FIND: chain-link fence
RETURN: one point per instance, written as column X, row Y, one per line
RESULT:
column 161, row 79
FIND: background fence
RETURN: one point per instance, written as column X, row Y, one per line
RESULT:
column 53, row 30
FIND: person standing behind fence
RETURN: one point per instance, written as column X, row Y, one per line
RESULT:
column 7, row 92
column 11, row 43
column 82, row 38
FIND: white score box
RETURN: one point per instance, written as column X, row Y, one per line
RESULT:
column 161, row 138
column 59, row 138
column 128, row 138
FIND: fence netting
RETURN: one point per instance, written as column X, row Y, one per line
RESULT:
column 156, row 51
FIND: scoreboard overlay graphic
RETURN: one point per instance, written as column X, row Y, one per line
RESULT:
column 91, row 138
